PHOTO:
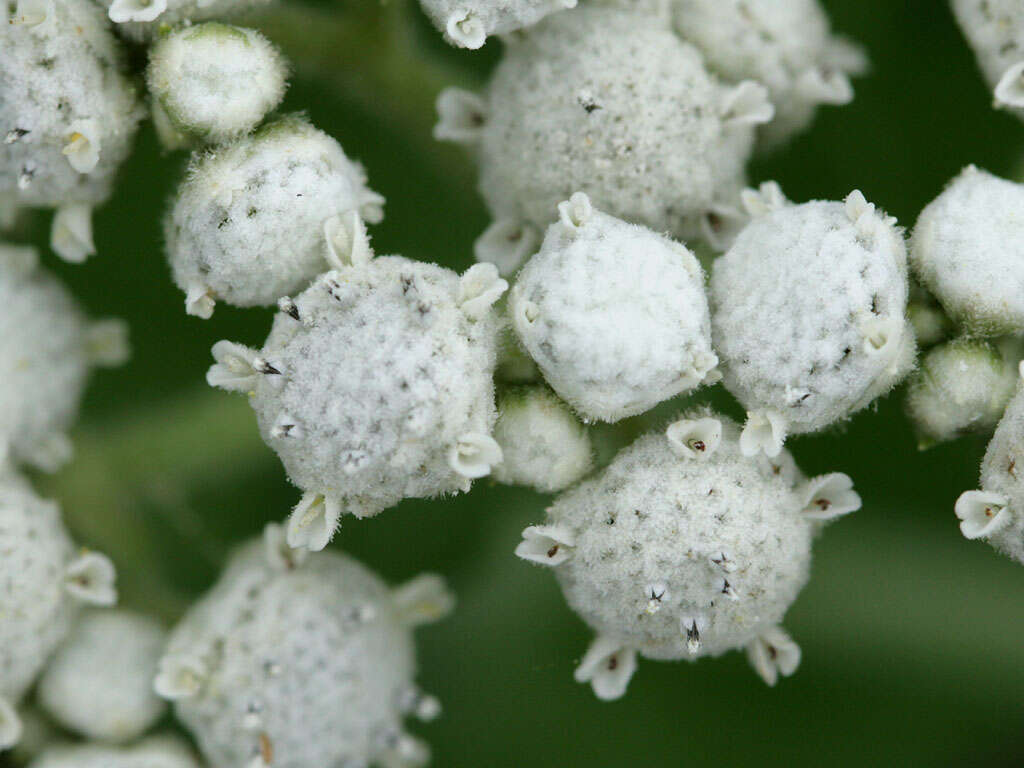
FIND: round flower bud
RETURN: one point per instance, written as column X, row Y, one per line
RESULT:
column 612, row 103
column 808, row 314
column 931, row 325
column 786, row 46
column 253, row 221
column 613, row 314
column 543, row 445
column 69, row 113
column 968, row 250
column 215, row 81
column 100, row 682
column 145, row 19
column 468, row 23
column 962, row 386
column 154, row 752
column 683, row 547
column 995, row 30
column 374, row 385
column 996, row 513
column 44, row 580
column 295, row 662
column 47, row 348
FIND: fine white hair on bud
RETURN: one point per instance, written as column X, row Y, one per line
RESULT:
column 247, row 225
column 100, row 682
column 612, row 103
column 374, row 385
column 543, row 444
column 152, row 752
column 968, row 250
column 808, row 316
column 678, row 556
column 44, row 581
column 613, row 314
column 995, row 30
column 996, row 512
column 52, row 347
column 468, row 23
column 962, row 386
column 784, row 45
column 215, row 81
column 69, row 113
column 305, row 666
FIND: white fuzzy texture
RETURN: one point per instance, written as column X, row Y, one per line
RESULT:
column 146, row 19
column 808, row 312
column 613, row 314
column 47, row 348
column 785, row 45
column 41, row 590
column 383, row 375
column 962, row 386
column 683, row 547
column 968, row 250
column 100, row 682
column 216, row 81
column 298, row 665
column 247, row 224
column 995, row 30
column 468, row 23
column 67, row 112
column 543, row 445
column 996, row 514
column 611, row 103
column 154, row 752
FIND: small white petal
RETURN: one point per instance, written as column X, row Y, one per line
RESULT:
column 882, row 335
column 825, row 86
column 695, row 439
column 1010, row 88
column 575, row 212
column 982, row 513
column 83, row 145
column 473, row 455
column 461, row 116
column 829, row 496
column 772, row 654
column 765, row 431
column 180, row 676
column 123, row 11
column 313, row 522
column 348, row 245
column 479, row 288
column 747, row 104
column 424, row 599
column 466, row 30
column 546, row 544
column 234, row 370
column 90, row 578
column 279, row 554
column 199, row 301
column 766, row 198
column 608, row 667
column 71, row 233
column 506, row 243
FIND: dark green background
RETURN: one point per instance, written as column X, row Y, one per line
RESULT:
column 913, row 637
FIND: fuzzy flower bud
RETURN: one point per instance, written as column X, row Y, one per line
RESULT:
column 995, row 30
column 783, row 44
column 468, row 23
column 44, row 581
column 962, row 386
column 613, row 314
column 68, row 114
column 100, row 682
column 306, row 664
column 683, row 547
column 48, row 347
column 256, row 220
column 968, row 250
column 808, row 314
column 374, row 385
column 154, row 752
column 215, row 81
column 543, row 444
column 611, row 103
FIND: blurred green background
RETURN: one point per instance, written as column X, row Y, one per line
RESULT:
column 912, row 637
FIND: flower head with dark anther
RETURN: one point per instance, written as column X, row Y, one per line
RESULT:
column 306, row 664
column 683, row 547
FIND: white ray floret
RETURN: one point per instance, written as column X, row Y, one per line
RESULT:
column 613, row 314
column 145, row 20
column 374, row 385
column 678, row 554
column 311, row 664
column 468, row 23
column 808, row 314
